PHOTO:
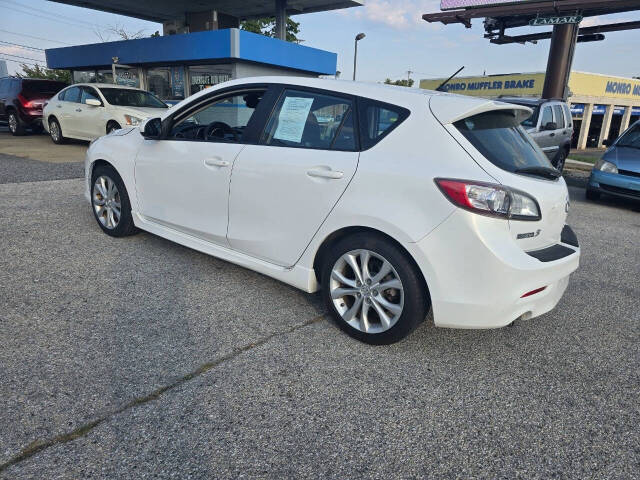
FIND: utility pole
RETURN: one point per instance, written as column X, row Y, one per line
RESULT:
column 409, row 72
column 359, row 37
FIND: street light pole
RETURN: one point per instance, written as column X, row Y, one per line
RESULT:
column 359, row 37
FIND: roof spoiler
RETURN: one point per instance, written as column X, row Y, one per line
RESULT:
column 451, row 108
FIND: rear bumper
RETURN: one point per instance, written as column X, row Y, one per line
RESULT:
column 30, row 117
column 623, row 186
column 477, row 274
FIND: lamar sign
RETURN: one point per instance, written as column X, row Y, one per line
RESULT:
column 564, row 20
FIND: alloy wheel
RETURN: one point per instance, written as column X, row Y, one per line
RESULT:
column 366, row 291
column 55, row 131
column 13, row 123
column 106, row 202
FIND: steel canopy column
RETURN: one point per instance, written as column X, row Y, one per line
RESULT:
column 281, row 19
column 563, row 44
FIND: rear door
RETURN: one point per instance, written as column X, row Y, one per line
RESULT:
column 544, row 137
column 283, row 188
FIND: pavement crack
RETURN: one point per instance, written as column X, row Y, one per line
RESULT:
column 39, row 445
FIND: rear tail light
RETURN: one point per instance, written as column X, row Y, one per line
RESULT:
column 490, row 199
column 24, row 102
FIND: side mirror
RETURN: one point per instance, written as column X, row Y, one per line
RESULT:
column 93, row 102
column 151, row 129
column 551, row 126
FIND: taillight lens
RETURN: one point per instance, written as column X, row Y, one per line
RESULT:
column 24, row 102
column 490, row 199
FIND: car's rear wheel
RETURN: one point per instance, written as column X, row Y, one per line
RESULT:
column 372, row 289
column 112, row 127
column 16, row 127
column 110, row 202
column 56, row 132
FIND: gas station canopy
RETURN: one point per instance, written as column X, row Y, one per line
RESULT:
column 165, row 10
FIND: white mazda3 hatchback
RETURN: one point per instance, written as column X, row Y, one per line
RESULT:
column 391, row 200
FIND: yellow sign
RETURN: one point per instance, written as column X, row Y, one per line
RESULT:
column 530, row 84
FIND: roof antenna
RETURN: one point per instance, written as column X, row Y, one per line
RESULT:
column 441, row 87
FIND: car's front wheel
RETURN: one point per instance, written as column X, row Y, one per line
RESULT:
column 112, row 127
column 373, row 291
column 110, row 202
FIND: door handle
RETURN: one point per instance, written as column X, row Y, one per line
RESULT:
column 552, row 134
column 216, row 162
column 59, row 106
column 320, row 173
column 78, row 109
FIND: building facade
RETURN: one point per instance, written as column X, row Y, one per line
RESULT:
column 602, row 106
column 176, row 66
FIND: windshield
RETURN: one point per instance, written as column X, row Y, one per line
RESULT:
column 631, row 138
column 498, row 136
column 532, row 121
column 124, row 97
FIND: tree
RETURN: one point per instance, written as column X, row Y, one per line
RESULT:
column 267, row 27
column 37, row 71
column 401, row 83
column 120, row 33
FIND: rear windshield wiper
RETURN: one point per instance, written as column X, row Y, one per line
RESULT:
column 544, row 172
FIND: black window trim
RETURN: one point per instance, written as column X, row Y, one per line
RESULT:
column 283, row 87
column 249, row 134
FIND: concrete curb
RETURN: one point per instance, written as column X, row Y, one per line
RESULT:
column 578, row 165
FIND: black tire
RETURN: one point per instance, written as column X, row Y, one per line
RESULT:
column 56, row 135
column 16, row 126
column 592, row 194
column 111, row 126
column 416, row 296
column 560, row 159
column 125, row 225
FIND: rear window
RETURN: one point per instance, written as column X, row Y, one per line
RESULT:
column 500, row 139
column 42, row 86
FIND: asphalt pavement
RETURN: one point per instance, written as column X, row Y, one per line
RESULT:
column 139, row 358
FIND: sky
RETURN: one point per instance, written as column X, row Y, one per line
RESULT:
column 397, row 40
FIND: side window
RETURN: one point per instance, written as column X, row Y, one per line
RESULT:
column 222, row 120
column 61, row 95
column 559, row 114
column 377, row 120
column 547, row 116
column 89, row 93
column 567, row 114
column 311, row 120
column 4, row 87
column 72, row 95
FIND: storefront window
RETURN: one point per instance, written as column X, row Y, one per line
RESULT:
column 166, row 83
column 205, row 76
column 84, row 76
column 124, row 76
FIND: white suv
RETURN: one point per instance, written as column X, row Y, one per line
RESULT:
column 390, row 200
column 88, row 111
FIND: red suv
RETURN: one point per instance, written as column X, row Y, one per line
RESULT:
column 21, row 102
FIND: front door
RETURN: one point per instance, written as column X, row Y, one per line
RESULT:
column 283, row 189
column 182, row 181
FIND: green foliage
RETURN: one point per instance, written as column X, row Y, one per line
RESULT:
column 37, row 71
column 267, row 27
column 400, row 83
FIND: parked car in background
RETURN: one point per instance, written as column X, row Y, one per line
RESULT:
column 617, row 173
column 550, row 125
column 390, row 200
column 21, row 102
column 88, row 111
